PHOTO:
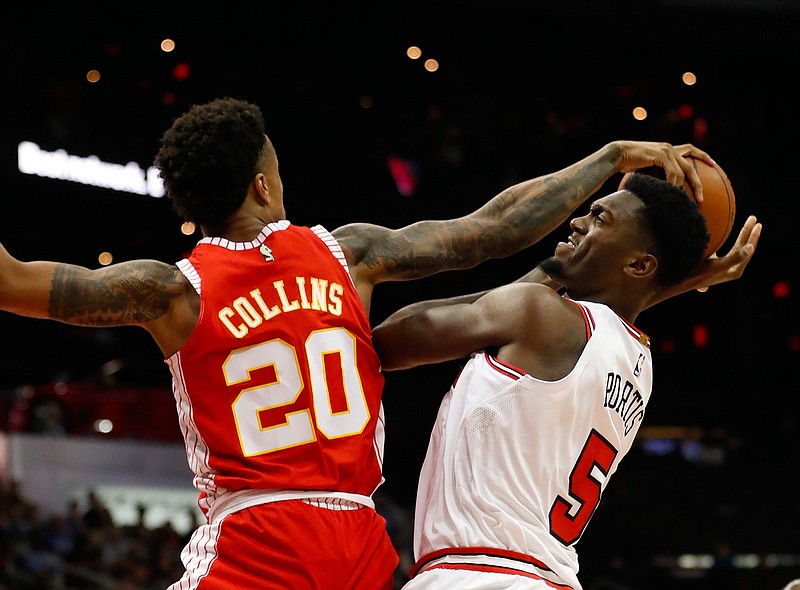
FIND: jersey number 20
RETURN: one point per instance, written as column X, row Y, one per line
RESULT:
column 298, row 427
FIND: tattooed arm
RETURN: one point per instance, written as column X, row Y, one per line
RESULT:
column 514, row 219
column 145, row 293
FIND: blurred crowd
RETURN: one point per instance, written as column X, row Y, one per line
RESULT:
column 84, row 549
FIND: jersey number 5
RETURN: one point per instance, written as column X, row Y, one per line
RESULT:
column 297, row 427
column 584, row 489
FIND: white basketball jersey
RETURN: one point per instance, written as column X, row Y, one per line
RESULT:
column 516, row 465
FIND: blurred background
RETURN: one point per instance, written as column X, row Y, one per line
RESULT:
column 391, row 112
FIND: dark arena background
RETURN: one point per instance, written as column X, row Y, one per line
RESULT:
column 365, row 130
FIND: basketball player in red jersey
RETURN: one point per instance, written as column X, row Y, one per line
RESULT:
column 553, row 393
column 265, row 330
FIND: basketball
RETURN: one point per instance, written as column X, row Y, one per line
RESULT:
column 719, row 202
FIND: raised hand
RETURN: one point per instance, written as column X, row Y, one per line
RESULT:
column 715, row 269
column 672, row 159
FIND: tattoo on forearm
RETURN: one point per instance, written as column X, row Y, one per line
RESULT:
column 516, row 218
column 523, row 215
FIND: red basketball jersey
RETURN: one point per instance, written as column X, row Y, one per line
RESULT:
column 278, row 387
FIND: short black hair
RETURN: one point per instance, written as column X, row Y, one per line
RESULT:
column 676, row 224
column 208, row 158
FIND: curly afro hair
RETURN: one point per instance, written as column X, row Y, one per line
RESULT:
column 676, row 225
column 208, row 158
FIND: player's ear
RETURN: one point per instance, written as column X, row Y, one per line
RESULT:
column 643, row 265
column 261, row 186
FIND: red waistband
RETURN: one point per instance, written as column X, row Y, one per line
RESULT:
column 426, row 560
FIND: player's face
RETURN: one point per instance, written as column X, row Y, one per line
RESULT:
column 591, row 261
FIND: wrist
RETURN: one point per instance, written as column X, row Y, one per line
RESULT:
column 613, row 152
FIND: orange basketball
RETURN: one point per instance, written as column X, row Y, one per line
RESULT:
column 719, row 202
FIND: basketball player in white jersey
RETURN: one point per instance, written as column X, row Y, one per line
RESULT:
column 538, row 419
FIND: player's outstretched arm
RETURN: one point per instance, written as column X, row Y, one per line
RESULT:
column 514, row 219
column 128, row 293
column 536, row 275
column 529, row 317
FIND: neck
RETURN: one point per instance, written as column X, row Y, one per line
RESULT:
column 238, row 228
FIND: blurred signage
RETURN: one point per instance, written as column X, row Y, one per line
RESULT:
column 91, row 170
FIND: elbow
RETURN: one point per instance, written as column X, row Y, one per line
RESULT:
column 392, row 353
column 381, row 344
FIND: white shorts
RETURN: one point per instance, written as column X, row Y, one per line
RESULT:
column 448, row 579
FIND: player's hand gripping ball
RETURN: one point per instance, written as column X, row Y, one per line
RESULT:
column 719, row 202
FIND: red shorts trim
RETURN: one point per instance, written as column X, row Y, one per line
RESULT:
column 422, row 561
column 425, row 562
column 495, row 569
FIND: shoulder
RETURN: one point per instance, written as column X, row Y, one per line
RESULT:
column 534, row 297
column 357, row 239
column 545, row 332
column 553, row 311
column 524, row 305
column 369, row 250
